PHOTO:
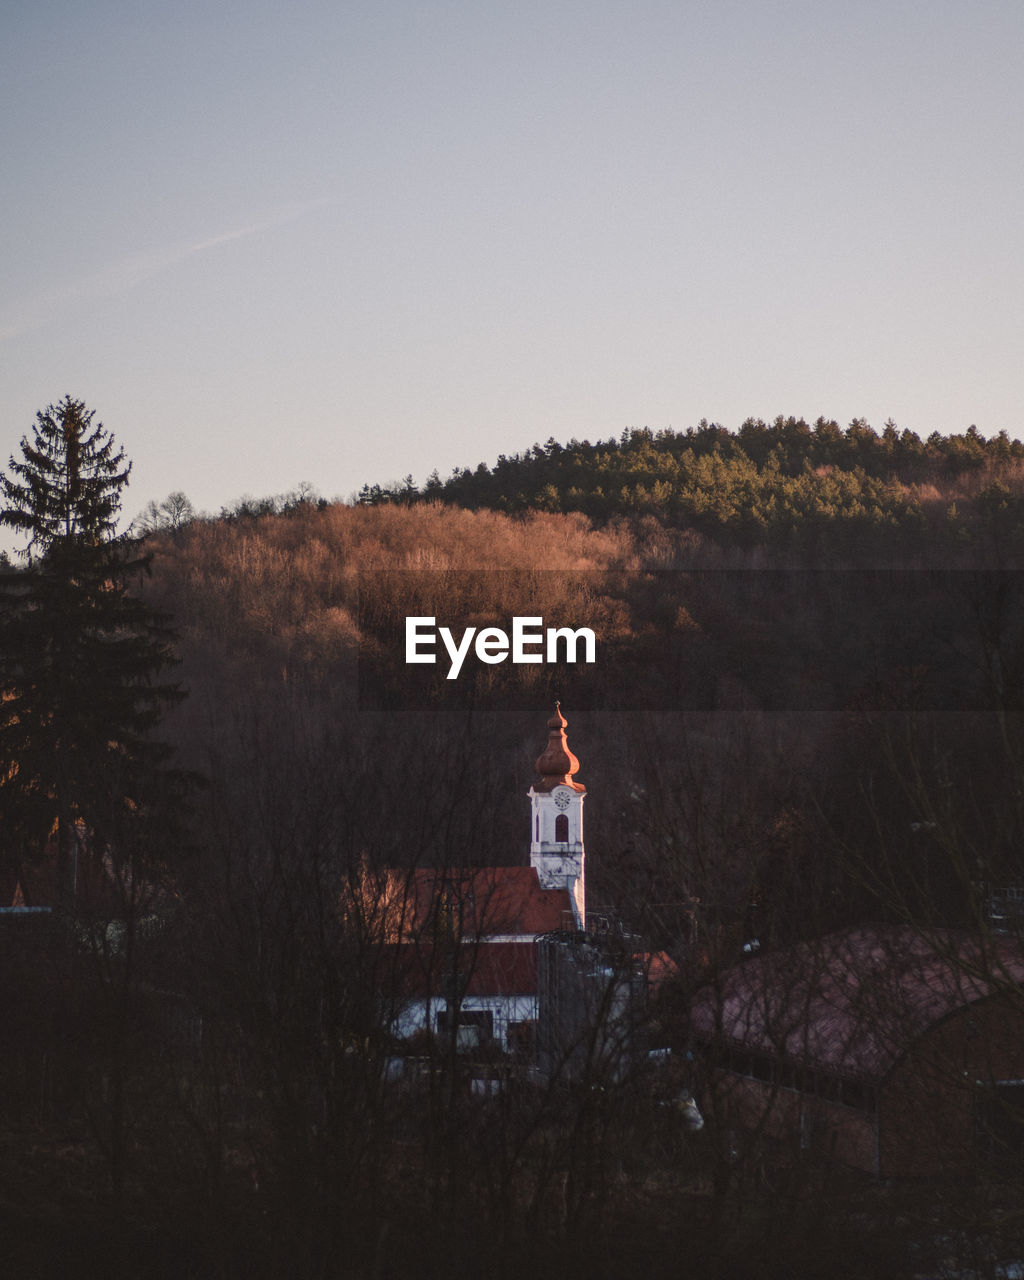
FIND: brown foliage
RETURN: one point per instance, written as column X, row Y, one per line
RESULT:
column 317, row 598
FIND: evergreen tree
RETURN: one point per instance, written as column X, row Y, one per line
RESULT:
column 81, row 658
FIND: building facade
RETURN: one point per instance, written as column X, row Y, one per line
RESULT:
column 463, row 942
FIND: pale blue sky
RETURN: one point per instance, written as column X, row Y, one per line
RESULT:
column 342, row 242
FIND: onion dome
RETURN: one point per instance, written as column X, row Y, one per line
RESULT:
column 556, row 764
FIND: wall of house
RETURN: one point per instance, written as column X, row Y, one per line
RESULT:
column 421, row 1015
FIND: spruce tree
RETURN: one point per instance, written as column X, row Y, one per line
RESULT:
column 82, row 659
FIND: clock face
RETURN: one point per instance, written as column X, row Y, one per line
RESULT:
column 562, row 797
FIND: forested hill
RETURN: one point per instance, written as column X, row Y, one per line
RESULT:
column 783, row 482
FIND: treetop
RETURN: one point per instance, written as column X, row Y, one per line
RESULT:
column 66, row 487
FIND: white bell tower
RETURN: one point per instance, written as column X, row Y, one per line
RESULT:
column 556, row 816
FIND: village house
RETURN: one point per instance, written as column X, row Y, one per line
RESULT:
column 894, row 1051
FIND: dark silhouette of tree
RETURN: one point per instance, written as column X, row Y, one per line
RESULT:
column 81, row 658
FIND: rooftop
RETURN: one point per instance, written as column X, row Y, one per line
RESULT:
column 465, row 903
column 850, row 1003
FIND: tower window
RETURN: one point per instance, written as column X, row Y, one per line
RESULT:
column 561, row 829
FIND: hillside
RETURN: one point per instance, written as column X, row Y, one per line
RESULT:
column 736, row 698
column 779, row 736
column 787, row 485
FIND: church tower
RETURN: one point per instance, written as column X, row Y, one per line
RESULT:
column 556, row 832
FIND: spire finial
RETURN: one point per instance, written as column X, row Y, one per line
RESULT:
column 556, row 764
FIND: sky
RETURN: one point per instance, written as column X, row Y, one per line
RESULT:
column 342, row 242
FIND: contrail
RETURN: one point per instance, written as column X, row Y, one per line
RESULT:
column 135, row 269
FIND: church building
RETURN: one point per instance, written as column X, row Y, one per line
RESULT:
column 464, row 941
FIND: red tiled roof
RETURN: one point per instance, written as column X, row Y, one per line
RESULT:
column 472, row 902
column 852, row 1002
column 440, row 920
column 488, row 968
column 98, row 888
column 33, row 884
column 658, row 965
column 504, row 968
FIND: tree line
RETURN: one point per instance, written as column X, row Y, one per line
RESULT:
column 786, row 484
